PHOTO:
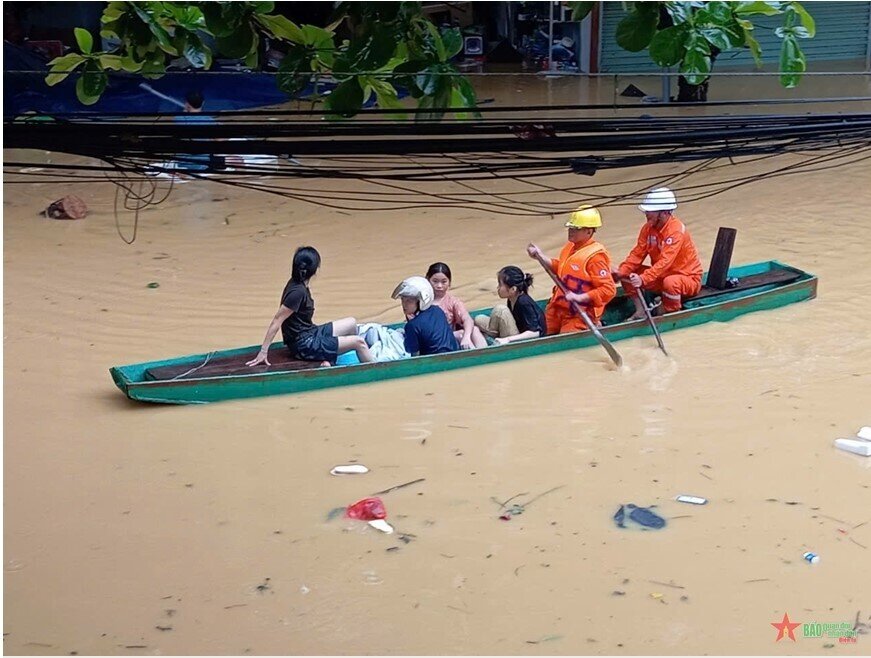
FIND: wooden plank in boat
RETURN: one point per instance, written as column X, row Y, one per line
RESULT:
column 752, row 281
column 279, row 359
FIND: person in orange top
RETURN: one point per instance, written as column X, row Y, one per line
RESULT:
column 584, row 266
column 675, row 270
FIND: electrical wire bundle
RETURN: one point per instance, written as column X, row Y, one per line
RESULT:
column 504, row 161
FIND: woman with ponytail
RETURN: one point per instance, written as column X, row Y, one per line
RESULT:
column 521, row 318
column 306, row 340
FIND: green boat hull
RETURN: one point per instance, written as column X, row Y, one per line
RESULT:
column 722, row 307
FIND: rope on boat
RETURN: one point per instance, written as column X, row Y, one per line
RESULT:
column 194, row 369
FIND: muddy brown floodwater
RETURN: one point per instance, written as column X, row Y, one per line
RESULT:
column 138, row 529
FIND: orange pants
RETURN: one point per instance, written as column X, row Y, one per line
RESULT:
column 672, row 287
column 561, row 319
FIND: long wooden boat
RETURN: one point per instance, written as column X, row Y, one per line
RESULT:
column 216, row 376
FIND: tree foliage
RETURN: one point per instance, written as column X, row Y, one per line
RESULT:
column 691, row 34
column 387, row 45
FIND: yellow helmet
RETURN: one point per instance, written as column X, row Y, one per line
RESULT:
column 585, row 217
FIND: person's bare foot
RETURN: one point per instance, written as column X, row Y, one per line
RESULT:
column 636, row 316
column 325, row 364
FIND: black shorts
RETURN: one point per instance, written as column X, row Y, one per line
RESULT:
column 317, row 344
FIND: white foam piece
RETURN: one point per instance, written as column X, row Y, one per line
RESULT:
column 349, row 469
column 382, row 525
column 864, row 433
column 856, row 446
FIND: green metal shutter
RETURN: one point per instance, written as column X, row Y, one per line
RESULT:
column 842, row 34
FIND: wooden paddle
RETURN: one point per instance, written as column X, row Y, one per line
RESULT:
column 650, row 320
column 615, row 356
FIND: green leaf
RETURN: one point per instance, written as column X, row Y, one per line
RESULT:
column 252, row 58
column 735, row 34
column 153, row 69
column 457, row 101
column 216, row 22
column 720, row 12
column 453, row 41
column 317, row 36
column 717, row 37
column 406, row 76
column 435, row 39
column 197, row 53
column 129, row 64
column 238, row 44
column 680, row 12
column 467, row 92
column 281, row 27
column 110, row 62
column 668, row 46
column 696, row 64
column 581, row 9
column 635, row 31
column 807, row 21
column 346, row 99
column 386, row 96
column 190, row 18
column 764, row 8
column 792, row 62
column 113, row 11
column 91, row 84
column 160, row 34
column 61, row 68
column 84, row 39
column 293, row 71
column 263, row 7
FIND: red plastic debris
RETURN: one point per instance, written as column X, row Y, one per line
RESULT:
column 368, row 509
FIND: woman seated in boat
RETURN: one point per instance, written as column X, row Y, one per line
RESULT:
column 427, row 330
column 306, row 340
column 521, row 318
column 465, row 331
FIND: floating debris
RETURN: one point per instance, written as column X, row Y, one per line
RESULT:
column 382, row 525
column 692, row 500
column 349, row 469
column 399, row 486
column 643, row 516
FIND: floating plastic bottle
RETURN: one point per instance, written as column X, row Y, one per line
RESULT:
column 812, row 558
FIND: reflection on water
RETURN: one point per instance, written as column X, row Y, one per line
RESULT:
column 116, row 512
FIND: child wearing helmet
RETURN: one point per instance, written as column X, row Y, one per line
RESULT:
column 306, row 340
column 465, row 331
column 584, row 267
column 427, row 330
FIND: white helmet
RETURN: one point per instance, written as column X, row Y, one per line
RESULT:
column 416, row 286
column 661, row 198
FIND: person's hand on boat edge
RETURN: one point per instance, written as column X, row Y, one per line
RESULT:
column 466, row 343
column 262, row 357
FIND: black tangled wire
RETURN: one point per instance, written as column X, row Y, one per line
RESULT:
column 503, row 161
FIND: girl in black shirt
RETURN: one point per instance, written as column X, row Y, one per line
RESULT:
column 306, row 340
column 522, row 318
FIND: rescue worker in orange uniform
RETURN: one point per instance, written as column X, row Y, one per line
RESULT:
column 675, row 271
column 584, row 266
